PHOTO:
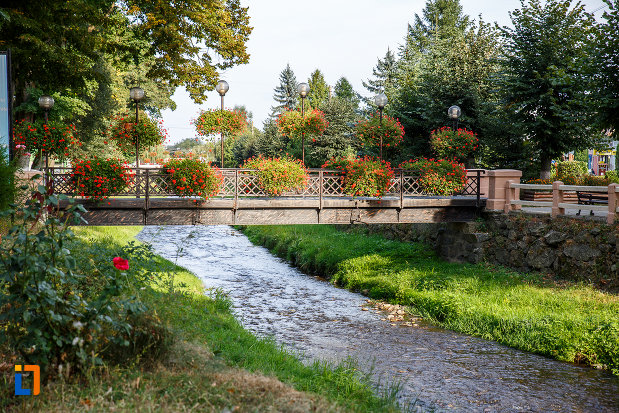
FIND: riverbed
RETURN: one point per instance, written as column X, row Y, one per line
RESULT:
column 437, row 369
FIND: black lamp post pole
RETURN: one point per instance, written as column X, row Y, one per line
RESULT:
column 222, row 135
column 381, row 133
column 303, row 133
column 137, row 137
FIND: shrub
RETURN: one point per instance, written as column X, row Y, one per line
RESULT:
column 612, row 176
column 125, row 133
column 8, row 183
column 449, row 144
column 192, row 177
column 52, row 138
column 573, row 169
column 593, row 180
column 370, row 131
column 293, row 125
column 278, row 175
column 440, row 177
column 230, row 122
column 99, row 178
column 363, row 176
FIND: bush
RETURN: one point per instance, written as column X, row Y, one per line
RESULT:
column 449, row 144
column 46, row 314
column 8, row 183
column 440, row 177
column 573, row 169
column 192, row 177
column 593, row 180
column 52, row 138
column 293, row 125
column 370, row 131
column 363, row 176
column 99, row 178
column 278, row 175
column 125, row 133
column 230, row 122
column 612, row 176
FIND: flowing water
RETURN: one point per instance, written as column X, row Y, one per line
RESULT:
column 439, row 370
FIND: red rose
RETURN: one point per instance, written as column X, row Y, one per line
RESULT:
column 121, row 263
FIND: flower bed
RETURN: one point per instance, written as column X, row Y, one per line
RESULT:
column 126, row 133
column 370, row 131
column 51, row 138
column 99, row 178
column 293, row 125
column 449, row 144
column 278, row 175
column 363, row 176
column 192, row 177
column 439, row 177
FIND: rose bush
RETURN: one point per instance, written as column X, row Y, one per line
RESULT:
column 99, row 178
column 278, row 175
column 52, row 138
column 449, row 144
column 363, row 176
column 192, row 177
column 370, row 131
column 212, row 121
column 293, row 125
column 439, row 177
column 125, row 132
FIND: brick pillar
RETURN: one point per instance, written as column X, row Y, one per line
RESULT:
column 612, row 204
column 557, row 198
column 497, row 185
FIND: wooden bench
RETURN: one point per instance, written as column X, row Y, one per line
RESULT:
column 591, row 198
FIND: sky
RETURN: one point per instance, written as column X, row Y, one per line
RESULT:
column 339, row 37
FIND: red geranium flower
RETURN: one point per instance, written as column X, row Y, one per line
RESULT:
column 121, row 263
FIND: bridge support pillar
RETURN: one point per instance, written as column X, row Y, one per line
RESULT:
column 498, row 182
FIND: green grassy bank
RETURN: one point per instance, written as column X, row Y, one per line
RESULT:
column 212, row 363
column 573, row 323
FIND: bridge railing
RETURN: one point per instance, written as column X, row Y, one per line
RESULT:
column 153, row 182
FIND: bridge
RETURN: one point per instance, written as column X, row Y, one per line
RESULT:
column 149, row 200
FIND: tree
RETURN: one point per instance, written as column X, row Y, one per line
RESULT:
column 344, row 90
column 545, row 79
column 286, row 93
column 384, row 77
column 319, row 89
column 607, row 67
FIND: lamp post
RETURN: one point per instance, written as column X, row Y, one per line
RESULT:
column 136, row 94
column 381, row 101
column 221, row 88
column 454, row 113
column 303, row 90
column 46, row 102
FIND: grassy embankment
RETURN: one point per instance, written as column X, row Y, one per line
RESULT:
column 213, row 365
column 575, row 323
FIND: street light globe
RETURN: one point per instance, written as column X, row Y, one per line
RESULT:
column 303, row 89
column 222, row 87
column 136, row 93
column 381, row 101
column 454, row 112
column 46, row 102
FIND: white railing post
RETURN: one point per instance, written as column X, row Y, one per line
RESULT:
column 612, row 204
column 557, row 198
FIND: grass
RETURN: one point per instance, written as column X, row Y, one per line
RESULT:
column 213, row 365
column 574, row 323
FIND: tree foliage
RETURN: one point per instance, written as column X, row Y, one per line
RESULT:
column 286, row 94
column 344, row 90
column 607, row 68
column 319, row 89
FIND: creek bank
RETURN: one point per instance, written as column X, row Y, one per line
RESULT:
column 567, row 248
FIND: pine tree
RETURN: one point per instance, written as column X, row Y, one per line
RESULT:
column 384, row 77
column 545, row 79
column 286, row 93
column 319, row 89
column 344, row 90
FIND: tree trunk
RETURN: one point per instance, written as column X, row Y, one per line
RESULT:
column 546, row 163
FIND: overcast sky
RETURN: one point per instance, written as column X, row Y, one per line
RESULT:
column 339, row 37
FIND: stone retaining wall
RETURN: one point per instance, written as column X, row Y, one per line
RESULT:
column 568, row 248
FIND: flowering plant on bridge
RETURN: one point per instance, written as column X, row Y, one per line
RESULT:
column 125, row 133
column 449, row 144
column 293, row 125
column 192, row 177
column 99, row 178
column 52, row 138
column 228, row 122
column 278, row 175
column 365, row 176
column 439, row 177
column 370, row 130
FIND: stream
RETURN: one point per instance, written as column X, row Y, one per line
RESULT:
column 438, row 370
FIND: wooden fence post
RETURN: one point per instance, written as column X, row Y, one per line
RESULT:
column 612, row 204
column 557, row 198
